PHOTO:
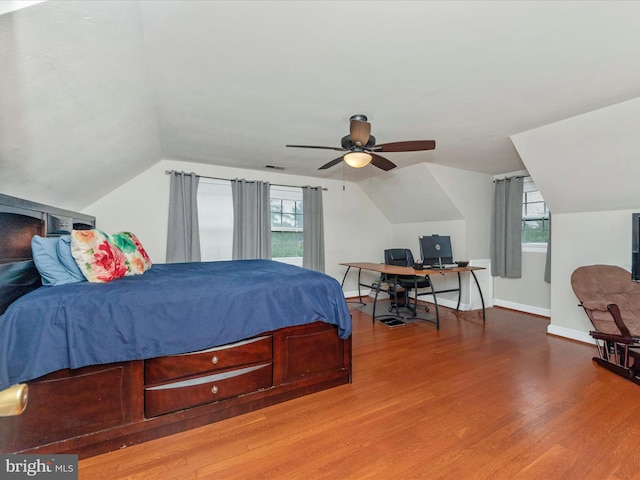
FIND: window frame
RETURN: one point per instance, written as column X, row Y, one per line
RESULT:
column 536, row 247
column 281, row 193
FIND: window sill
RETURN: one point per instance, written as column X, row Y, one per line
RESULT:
column 297, row 261
column 534, row 247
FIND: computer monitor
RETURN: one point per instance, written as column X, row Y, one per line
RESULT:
column 436, row 250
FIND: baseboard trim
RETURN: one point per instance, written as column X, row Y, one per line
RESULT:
column 570, row 333
column 383, row 296
column 564, row 332
column 443, row 302
column 543, row 312
column 354, row 294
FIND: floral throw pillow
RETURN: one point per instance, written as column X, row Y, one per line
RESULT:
column 136, row 259
column 98, row 259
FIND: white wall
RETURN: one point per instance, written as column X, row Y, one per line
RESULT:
column 449, row 201
column 530, row 293
column 472, row 194
column 355, row 230
column 584, row 239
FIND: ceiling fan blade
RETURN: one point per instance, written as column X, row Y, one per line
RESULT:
column 409, row 146
column 331, row 163
column 381, row 162
column 317, row 147
column 360, row 132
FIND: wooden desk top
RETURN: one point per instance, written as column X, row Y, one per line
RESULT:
column 395, row 270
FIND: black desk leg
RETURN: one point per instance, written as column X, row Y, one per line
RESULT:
column 375, row 300
column 415, row 299
column 359, row 293
column 345, row 277
column 484, row 317
column 459, row 291
column 435, row 303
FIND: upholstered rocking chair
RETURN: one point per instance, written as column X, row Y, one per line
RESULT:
column 611, row 301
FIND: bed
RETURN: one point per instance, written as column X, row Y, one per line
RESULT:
column 145, row 356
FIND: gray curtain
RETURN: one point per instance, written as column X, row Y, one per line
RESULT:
column 251, row 220
column 547, row 267
column 313, row 226
column 506, row 234
column 183, row 235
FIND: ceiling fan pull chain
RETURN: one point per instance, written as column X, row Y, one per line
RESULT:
column 343, row 167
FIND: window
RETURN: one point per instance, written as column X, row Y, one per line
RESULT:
column 286, row 225
column 535, row 216
column 215, row 217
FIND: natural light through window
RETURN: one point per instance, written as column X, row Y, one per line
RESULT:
column 215, row 216
column 286, row 224
column 535, row 218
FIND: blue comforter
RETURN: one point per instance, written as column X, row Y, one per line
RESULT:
column 171, row 309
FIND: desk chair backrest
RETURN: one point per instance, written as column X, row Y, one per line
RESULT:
column 400, row 257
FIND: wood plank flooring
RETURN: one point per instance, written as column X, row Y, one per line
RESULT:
column 502, row 400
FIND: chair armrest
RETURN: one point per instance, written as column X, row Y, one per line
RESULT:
column 610, row 337
column 614, row 311
column 601, row 306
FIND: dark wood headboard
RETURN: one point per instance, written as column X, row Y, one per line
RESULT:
column 20, row 220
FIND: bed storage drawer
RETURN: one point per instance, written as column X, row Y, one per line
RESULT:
column 71, row 403
column 190, row 392
column 254, row 350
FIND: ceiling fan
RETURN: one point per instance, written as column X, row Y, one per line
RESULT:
column 361, row 147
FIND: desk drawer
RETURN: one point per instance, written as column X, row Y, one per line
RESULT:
column 207, row 389
column 254, row 350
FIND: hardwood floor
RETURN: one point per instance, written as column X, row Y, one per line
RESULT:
column 502, row 400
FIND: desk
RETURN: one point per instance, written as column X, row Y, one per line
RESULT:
column 385, row 269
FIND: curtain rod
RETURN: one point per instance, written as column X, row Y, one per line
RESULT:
column 515, row 177
column 250, row 181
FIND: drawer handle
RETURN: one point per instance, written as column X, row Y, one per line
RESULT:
column 214, row 360
column 214, row 389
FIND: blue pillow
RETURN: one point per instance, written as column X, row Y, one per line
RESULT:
column 63, row 249
column 51, row 269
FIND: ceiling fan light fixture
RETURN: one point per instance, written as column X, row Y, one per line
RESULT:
column 360, row 147
column 357, row 159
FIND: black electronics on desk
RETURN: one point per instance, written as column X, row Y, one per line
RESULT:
column 435, row 250
column 635, row 244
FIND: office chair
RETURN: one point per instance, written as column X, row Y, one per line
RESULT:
column 402, row 257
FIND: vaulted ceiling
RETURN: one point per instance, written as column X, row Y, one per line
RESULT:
column 93, row 93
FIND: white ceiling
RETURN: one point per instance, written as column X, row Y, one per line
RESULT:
column 118, row 85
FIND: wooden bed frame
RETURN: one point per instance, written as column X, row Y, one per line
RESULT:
column 101, row 408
